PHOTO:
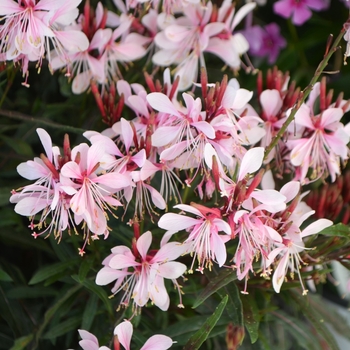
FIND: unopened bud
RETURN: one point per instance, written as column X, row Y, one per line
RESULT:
column 234, row 336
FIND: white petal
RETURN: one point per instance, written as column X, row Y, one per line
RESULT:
column 251, row 162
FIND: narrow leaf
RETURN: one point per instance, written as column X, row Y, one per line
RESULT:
column 49, row 271
column 4, row 276
column 338, row 230
column 63, row 328
column 99, row 291
column 316, row 321
column 251, row 316
column 89, row 312
column 222, row 279
column 234, row 306
column 85, row 267
column 22, row 342
column 202, row 334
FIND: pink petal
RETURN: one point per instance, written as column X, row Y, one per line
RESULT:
column 100, row 39
column 280, row 273
column 164, row 135
column 171, row 270
column 124, row 333
column 176, row 222
column 107, row 275
column 46, row 142
column 81, row 82
column 174, row 151
column 73, row 40
column 9, row 7
column 158, row 342
column 271, row 102
column 269, row 197
column 127, row 133
column 162, row 103
column 241, row 13
column 139, row 105
column 219, row 249
column 205, row 128
column 71, row 170
column 88, row 345
column 115, row 181
column 121, row 261
column 290, row 190
column 316, row 227
column 85, row 335
column 157, row 198
column 94, row 156
column 143, row 243
column 32, row 170
column 251, row 162
column 30, row 206
column 189, row 209
column 170, row 251
column 330, row 116
column 159, row 294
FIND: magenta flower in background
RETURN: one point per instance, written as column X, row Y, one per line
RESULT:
column 346, row 3
column 265, row 41
column 299, row 10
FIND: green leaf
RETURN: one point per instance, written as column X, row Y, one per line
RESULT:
column 4, row 276
column 338, row 230
column 98, row 291
column 57, row 304
column 19, row 146
column 251, row 316
column 63, row 328
column 293, row 325
column 90, row 312
column 222, row 279
column 85, row 267
column 316, row 320
column 234, row 306
column 22, row 342
column 25, row 292
column 49, row 271
column 202, row 334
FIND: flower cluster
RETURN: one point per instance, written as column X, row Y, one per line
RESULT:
column 213, row 167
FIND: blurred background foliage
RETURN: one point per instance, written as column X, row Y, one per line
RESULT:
column 47, row 290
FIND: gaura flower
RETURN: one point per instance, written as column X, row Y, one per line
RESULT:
column 141, row 272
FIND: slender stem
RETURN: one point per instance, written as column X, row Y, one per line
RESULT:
column 27, row 118
column 305, row 93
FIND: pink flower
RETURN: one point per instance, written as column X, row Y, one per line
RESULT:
column 323, row 146
column 299, row 10
column 289, row 250
column 157, row 342
column 91, row 193
column 89, row 341
column 31, row 27
column 146, row 279
column 265, row 41
column 206, row 243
